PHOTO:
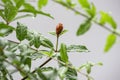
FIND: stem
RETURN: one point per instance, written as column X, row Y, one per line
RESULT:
column 80, row 13
column 44, row 63
column 38, row 67
column 57, row 43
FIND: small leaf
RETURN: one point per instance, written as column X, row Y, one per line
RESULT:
column 23, row 16
column 62, row 72
column 84, row 27
column 42, row 3
column 46, row 43
column 106, row 18
column 41, row 75
column 71, row 74
column 35, row 12
column 19, row 3
column 111, row 39
column 10, row 12
column 100, row 63
column 5, row 29
column 77, row 48
column 63, row 53
column 88, row 68
column 54, row 33
column 21, row 31
column 36, row 40
column 28, row 62
column 92, row 10
column 84, row 3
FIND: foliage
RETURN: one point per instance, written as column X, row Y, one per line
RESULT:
column 20, row 55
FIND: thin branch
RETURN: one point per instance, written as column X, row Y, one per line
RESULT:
column 80, row 13
column 44, row 63
column 38, row 67
column 50, row 58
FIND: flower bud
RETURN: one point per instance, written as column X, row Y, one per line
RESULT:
column 59, row 28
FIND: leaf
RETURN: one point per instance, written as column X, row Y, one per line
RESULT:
column 111, row 39
column 36, row 40
column 100, row 63
column 84, row 3
column 41, row 75
column 45, row 52
column 28, row 62
column 5, row 1
column 84, row 27
column 36, row 12
column 5, row 30
column 50, row 73
column 31, row 9
column 54, row 33
column 77, row 48
column 106, row 18
column 62, row 72
column 23, row 16
column 10, row 12
column 19, row 3
column 92, row 10
column 71, row 74
column 42, row 3
column 21, row 31
column 88, row 68
column 46, row 43
column 63, row 53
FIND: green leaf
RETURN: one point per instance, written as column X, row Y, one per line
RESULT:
column 21, row 31
column 106, row 18
column 84, row 3
column 45, row 52
column 71, row 74
column 10, row 12
column 99, row 63
column 2, row 14
column 22, row 16
column 6, row 1
column 46, row 43
column 41, row 75
column 62, row 72
column 29, row 6
column 5, row 30
column 84, row 27
column 111, row 39
column 50, row 73
column 36, row 12
column 28, row 62
column 54, row 33
column 37, row 41
column 92, row 10
column 77, row 48
column 31, row 9
column 42, row 3
column 63, row 53
column 19, row 3
column 88, row 68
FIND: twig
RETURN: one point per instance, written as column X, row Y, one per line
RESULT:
column 44, row 63
column 38, row 67
column 48, row 60
column 80, row 13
